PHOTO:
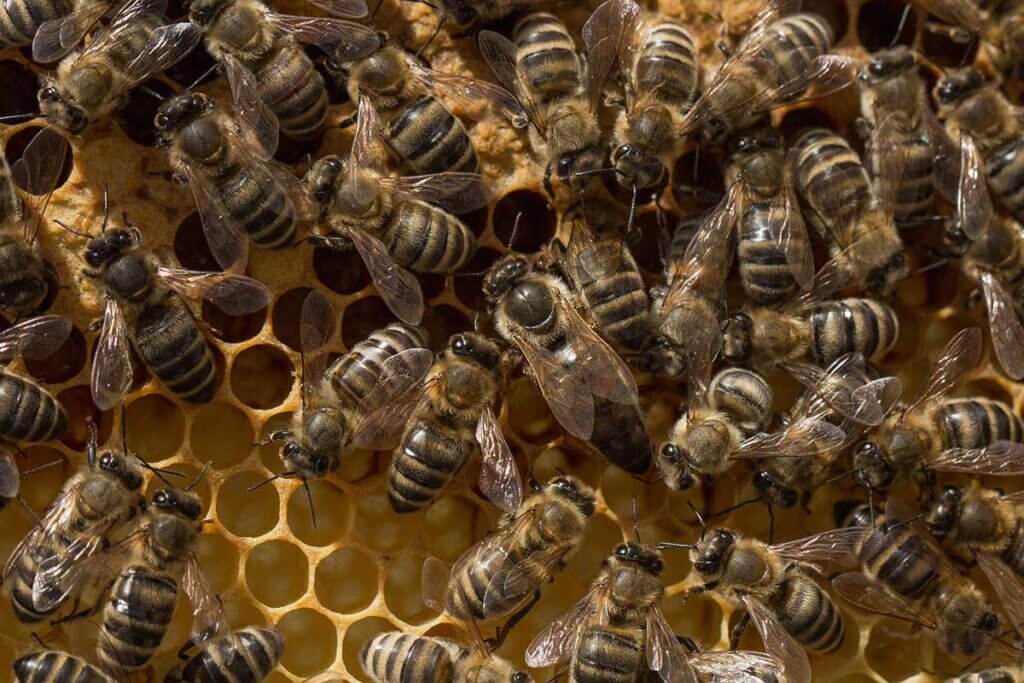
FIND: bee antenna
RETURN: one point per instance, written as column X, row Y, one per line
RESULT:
column 202, row 473
column 72, row 230
column 282, row 475
column 636, row 519
column 15, row 118
column 841, row 476
column 309, row 498
column 594, row 171
column 30, row 511
column 632, row 212
column 106, row 207
column 700, row 518
column 902, row 24
column 152, row 93
column 38, row 639
column 667, row 545
column 933, row 265
column 42, row 467
column 203, row 77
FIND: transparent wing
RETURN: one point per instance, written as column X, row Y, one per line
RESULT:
column 1008, row 587
column 564, row 389
column 434, row 583
column 839, row 385
column 792, row 237
column 973, row 204
column 167, row 45
column 870, row 596
column 701, row 349
column 57, row 37
column 346, row 9
column 316, row 328
column 889, row 142
column 736, row 666
column 809, row 436
column 1001, row 459
column 830, row 279
column 399, row 288
column 1005, row 326
column 706, row 259
column 835, row 545
column 603, row 35
column 956, row 13
column 37, row 338
column 455, row 192
column 226, row 243
column 122, row 27
column 208, row 618
column 588, row 258
column 960, row 356
column 605, row 372
column 500, row 54
column 40, row 165
column 557, row 641
column 10, row 477
column 60, row 576
column 664, row 653
column 365, row 151
column 250, row 107
column 345, row 40
column 384, row 409
column 233, row 294
column 112, row 363
column 778, row 642
column 499, row 475
column 473, row 96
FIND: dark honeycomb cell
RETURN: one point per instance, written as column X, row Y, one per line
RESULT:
column 476, row 220
column 261, row 376
column 136, row 117
column 343, row 273
column 442, row 322
column 232, row 328
column 363, row 317
column 191, row 248
column 432, row 284
column 697, row 180
column 537, row 225
column 945, row 52
column 15, row 148
column 78, row 403
column 286, row 316
column 194, row 70
column 18, row 96
column 647, row 248
column 878, row 21
column 467, row 281
column 799, row 120
column 63, row 364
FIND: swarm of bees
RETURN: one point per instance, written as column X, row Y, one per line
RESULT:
column 777, row 372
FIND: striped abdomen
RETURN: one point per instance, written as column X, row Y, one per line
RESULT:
column 976, row 423
column 666, row 65
column 917, row 186
column 23, row 578
column 607, row 655
column 20, row 19
column 808, row 613
column 1005, row 169
column 764, row 271
column 172, row 347
column 547, row 57
column 474, row 579
column 619, row 304
column 54, row 666
column 130, row 43
column 245, row 656
column 293, row 90
column 428, row 239
column 792, row 45
column 135, row 619
column 901, row 560
column 832, row 180
column 620, row 436
column 353, row 375
column 429, row 139
column 849, row 326
column 255, row 201
column 395, row 657
column 28, row 412
column 23, row 285
column 743, row 394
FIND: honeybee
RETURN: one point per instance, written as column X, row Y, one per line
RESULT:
column 582, row 379
column 145, row 310
column 1004, row 41
column 972, row 435
column 1009, row 673
column 856, row 216
column 237, row 188
column 415, row 125
column 28, row 412
column 56, row 665
column 452, row 421
column 91, row 83
column 40, row 573
column 779, row 59
column 617, row 631
column 21, row 21
column 395, row 223
column 273, row 82
column 723, row 666
column 559, row 89
column 26, row 279
column 247, row 655
column 502, row 574
column 357, row 401
column 660, row 78
column 394, row 657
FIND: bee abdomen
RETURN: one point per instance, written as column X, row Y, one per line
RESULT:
column 135, row 619
column 245, row 656
column 428, row 458
column 852, row 325
column 257, row 202
column 547, row 56
column 620, row 436
column 401, row 658
column 977, row 423
column 1005, row 169
column 764, row 270
column 173, row 348
column 902, row 561
column 606, row 656
column 353, row 375
column 475, row 581
column 23, row 579
column 1013, row 556
column 809, row 615
column 28, row 412
column 917, row 186
column 794, row 43
column 832, row 179
column 620, row 305
column 667, row 65
column 20, row 19
column 56, row 667
column 743, row 394
column 429, row 139
column 295, row 91
column 427, row 239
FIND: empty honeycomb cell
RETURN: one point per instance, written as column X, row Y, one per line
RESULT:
column 433, row 285
column 20, row 87
column 221, row 435
column 244, row 512
column 402, row 591
column 467, row 281
column 452, row 524
column 988, row 388
column 312, row 642
column 357, row 635
column 63, row 364
column 156, row 427
column 945, row 52
column 17, row 143
column 887, row 648
column 795, row 122
column 343, row 273
column 232, row 328
column 620, row 489
column 286, row 316
column 442, row 321
column 346, row 581
column 699, row 618
column 136, row 117
column 603, row 534
column 380, row 527
column 528, row 414
column 190, row 245
column 332, row 513
column 277, row 573
column 262, row 376
column 878, row 21
column 270, row 451
column 241, row 612
column 218, row 558
column 646, row 245
column 194, row 69
column 537, row 225
column 78, row 403
column 362, row 317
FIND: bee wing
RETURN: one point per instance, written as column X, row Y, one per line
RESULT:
column 208, row 618
column 385, row 408
column 835, row 545
column 500, row 54
column 736, row 666
column 589, row 259
column 112, row 363
column 499, row 475
column 792, row 237
column 1001, row 459
column 167, row 45
column 839, row 386
column 231, row 293
column 829, row 279
column 455, row 192
column 60, row 576
column 10, row 477
column 778, row 643
column 56, row 38
column 870, row 596
column 806, row 437
column 345, row 9
column 960, row 356
column 316, row 327
column 564, row 390
column 40, row 165
column 475, row 97
column 700, row 353
column 399, row 288
column 1005, row 326
column 434, row 583
column 888, row 140
column 664, row 653
column 250, row 107
column 557, row 641
column 365, row 152
column 957, row 13
column 36, row 338
column 1008, row 587
column 603, row 35
column 973, row 204
column 346, row 40
column 707, row 256
column 229, row 249
column 122, row 26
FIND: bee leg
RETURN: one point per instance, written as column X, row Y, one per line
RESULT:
column 689, row 643
column 332, row 242
column 279, row 435
column 503, row 632
column 85, row 613
column 548, row 188
column 737, row 631
column 703, row 588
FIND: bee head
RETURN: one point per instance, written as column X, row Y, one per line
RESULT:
column 570, row 166
column 309, row 456
column 179, row 502
column 736, row 338
column 521, row 677
column 885, row 64
column 107, row 246
column 60, row 110
column 575, row 491
column 774, row 491
column 204, row 12
column 882, row 280
column 503, row 275
column 662, row 358
column 943, row 512
column 959, row 85
column 322, row 178
column 634, row 167
column 647, row 559
column 121, row 468
column 673, row 463
column 872, row 469
column 750, row 143
column 459, row 14
column 710, row 553
column 477, row 348
column 178, row 112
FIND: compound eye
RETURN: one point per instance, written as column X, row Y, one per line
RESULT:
column 564, row 167
column 161, row 121
column 334, row 164
column 671, row 452
column 461, row 345
column 162, row 499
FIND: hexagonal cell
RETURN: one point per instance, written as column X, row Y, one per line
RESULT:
column 312, row 642
column 380, row 527
column 332, row 513
column 63, row 364
column 221, row 435
column 156, row 427
column 15, row 148
column 879, row 20
column 442, row 321
column 262, row 376
column 528, row 415
column 538, row 220
column 243, row 612
column 19, row 95
column 362, row 317
column 136, row 117
column 343, row 273
column 244, row 512
column 452, row 524
column 232, row 328
column 346, row 581
column 78, row 403
column 190, row 245
column 277, row 573
column 218, row 558
column 887, row 648
column 356, row 636
column 402, row 590
column 700, row 619
column 41, row 480
column 286, row 315
column 946, row 52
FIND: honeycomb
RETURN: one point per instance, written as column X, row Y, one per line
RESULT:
column 329, row 589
